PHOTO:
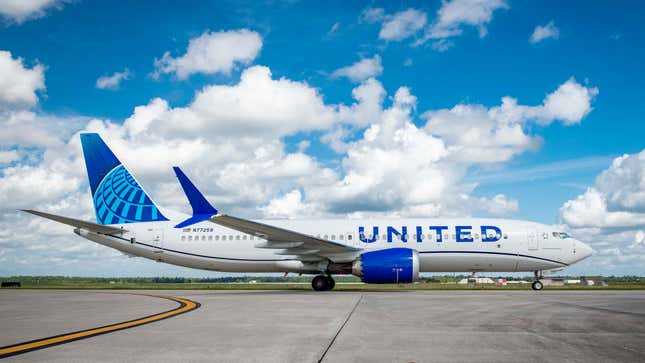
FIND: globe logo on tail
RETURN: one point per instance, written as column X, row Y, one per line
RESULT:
column 119, row 199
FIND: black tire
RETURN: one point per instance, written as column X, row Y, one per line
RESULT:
column 330, row 283
column 537, row 285
column 320, row 283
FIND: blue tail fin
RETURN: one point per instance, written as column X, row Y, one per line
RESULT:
column 202, row 209
column 118, row 198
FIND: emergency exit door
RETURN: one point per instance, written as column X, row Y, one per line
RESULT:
column 155, row 238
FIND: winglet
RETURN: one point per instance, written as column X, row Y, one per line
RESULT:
column 202, row 209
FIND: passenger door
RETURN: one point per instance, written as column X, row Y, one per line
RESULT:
column 533, row 242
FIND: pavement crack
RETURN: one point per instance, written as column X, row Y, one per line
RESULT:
column 331, row 342
column 596, row 308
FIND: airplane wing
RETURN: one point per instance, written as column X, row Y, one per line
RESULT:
column 98, row 228
column 293, row 243
column 305, row 247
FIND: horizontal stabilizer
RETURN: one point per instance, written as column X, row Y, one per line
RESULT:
column 98, row 228
column 202, row 209
column 194, row 219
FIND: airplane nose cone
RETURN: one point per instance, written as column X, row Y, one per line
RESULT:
column 583, row 250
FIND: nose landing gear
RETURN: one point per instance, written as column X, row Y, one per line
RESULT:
column 537, row 285
column 323, row 283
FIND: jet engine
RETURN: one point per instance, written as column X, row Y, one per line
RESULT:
column 390, row 266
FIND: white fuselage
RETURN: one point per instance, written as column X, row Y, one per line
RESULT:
column 460, row 247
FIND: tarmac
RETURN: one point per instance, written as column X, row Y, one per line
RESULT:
column 302, row 326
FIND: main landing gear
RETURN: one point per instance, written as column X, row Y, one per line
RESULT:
column 323, row 283
column 537, row 285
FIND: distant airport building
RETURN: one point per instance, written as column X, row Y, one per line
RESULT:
column 593, row 281
column 476, row 280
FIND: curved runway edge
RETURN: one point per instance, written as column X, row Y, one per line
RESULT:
column 185, row 305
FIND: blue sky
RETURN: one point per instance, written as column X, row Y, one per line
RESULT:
column 489, row 55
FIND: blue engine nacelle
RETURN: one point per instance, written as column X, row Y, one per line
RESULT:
column 390, row 266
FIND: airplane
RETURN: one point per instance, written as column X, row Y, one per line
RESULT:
column 387, row 250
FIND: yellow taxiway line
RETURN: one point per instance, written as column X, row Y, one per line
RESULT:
column 185, row 306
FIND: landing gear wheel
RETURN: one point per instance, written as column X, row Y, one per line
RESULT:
column 330, row 283
column 537, row 285
column 320, row 283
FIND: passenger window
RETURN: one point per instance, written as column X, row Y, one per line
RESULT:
column 333, row 237
column 340, row 237
column 190, row 238
column 505, row 236
column 183, row 238
column 349, row 237
column 210, row 238
column 230, row 237
column 325, row 237
column 203, row 238
column 237, row 237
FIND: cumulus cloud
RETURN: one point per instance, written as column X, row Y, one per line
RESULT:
column 289, row 205
column 451, row 19
column 26, row 128
column 542, row 32
column 399, row 168
column 616, row 200
column 389, row 163
column 19, row 89
column 454, row 15
column 19, row 83
column 484, row 135
column 624, row 183
column 397, row 26
column 570, row 103
column 610, row 215
column 257, row 105
column 402, row 25
column 113, row 81
column 212, row 52
column 361, row 70
column 19, row 11
column 9, row 156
